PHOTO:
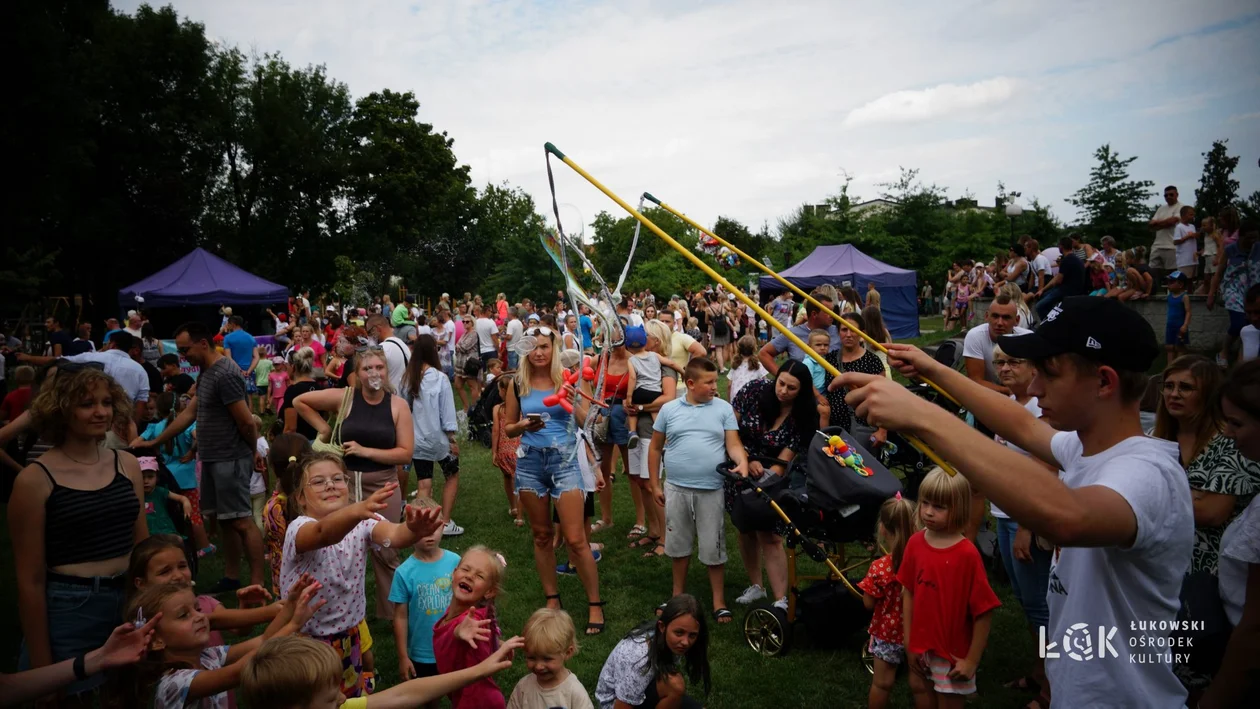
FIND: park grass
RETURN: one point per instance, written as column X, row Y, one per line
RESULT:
column 812, row 674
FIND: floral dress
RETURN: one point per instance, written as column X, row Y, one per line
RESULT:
column 505, row 448
column 275, row 522
column 1220, row 469
column 1242, row 271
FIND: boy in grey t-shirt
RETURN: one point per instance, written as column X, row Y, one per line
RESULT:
column 1121, row 517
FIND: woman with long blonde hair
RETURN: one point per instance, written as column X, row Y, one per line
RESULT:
column 547, row 469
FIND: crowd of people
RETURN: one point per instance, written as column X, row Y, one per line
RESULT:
column 1099, row 521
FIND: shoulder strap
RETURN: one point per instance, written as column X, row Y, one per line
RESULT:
column 51, row 479
column 347, row 400
column 406, row 354
column 117, row 463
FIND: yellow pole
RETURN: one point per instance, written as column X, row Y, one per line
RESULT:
column 915, row 442
column 790, row 286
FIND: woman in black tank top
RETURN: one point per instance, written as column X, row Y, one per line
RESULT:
column 377, row 437
column 75, row 516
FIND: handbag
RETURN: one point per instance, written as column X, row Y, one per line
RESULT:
column 333, row 444
column 1202, row 621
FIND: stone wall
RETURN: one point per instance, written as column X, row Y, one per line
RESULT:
column 1207, row 327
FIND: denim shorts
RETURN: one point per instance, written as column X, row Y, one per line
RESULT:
column 549, row 471
column 80, row 619
column 618, row 425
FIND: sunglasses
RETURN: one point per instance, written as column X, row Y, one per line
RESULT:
column 542, row 330
column 67, row 366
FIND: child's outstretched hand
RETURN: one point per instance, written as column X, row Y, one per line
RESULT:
column 305, row 606
column 473, row 631
column 377, row 501
column 501, row 659
column 252, row 596
column 423, row 522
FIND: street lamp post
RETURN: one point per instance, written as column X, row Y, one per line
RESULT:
column 1012, row 211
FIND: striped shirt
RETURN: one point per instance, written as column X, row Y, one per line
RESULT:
column 218, row 438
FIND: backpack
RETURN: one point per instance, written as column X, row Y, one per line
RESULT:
column 468, row 348
column 720, row 327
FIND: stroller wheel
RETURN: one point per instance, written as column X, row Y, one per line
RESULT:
column 868, row 660
column 768, row 631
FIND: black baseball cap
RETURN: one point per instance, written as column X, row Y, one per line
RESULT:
column 1098, row 329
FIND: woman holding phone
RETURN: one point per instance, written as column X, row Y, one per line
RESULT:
column 547, row 468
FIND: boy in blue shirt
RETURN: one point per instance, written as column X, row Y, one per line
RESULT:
column 422, row 591
column 698, row 433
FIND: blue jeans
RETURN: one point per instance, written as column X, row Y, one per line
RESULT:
column 1029, row 579
column 514, row 360
column 80, row 618
column 544, row 471
column 618, row 425
column 1048, row 301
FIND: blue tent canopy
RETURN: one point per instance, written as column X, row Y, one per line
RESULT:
column 201, row 278
column 845, row 264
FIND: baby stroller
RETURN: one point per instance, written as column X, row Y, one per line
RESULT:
column 838, row 505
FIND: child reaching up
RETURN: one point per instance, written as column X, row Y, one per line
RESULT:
column 182, row 669
column 503, row 453
column 946, row 598
column 468, row 632
column 421, row 591
column 161, row 559
column 294, row 672
column 644, row 377
column 550, row 640
column 882, row 595
column 330, row 540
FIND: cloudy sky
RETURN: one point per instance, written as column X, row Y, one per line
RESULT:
column 748, row 108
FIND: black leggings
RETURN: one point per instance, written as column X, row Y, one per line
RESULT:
column 651, row 698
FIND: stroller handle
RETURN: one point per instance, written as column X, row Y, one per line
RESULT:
column 725, row 468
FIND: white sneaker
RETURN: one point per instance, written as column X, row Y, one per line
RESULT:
column 751, row 594
column 781, row 604
column 452, row 530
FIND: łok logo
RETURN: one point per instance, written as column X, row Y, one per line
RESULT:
column 1054, row 313
column 1078, row 644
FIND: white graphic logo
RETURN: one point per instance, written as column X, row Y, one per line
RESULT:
column 1078, row 644
column 1093, row 344
column 1054, row 313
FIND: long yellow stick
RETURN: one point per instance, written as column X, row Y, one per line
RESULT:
column 789, row 285
column 831, row 369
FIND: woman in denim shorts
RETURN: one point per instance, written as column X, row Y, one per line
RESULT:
column 70, row 584
column 547, row 469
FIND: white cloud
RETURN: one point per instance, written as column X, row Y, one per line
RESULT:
column 748, row 109
column 936, row 102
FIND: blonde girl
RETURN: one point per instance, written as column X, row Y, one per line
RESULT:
column 941, row 573
column 469, row 632
column 330, row 541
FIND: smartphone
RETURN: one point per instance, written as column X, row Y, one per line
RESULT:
column 534, row 418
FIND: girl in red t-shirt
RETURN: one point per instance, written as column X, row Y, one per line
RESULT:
column 883, row 596
column 946, row 598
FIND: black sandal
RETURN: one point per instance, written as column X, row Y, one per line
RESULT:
column 653, row 552
column 645, row 541
column 720, row 613
column 555, row 596
column 595, row 628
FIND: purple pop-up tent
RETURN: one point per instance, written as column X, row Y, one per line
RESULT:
column 201, row 278
column 898, row 287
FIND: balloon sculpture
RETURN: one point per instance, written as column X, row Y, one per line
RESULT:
column 723, row 255
column 564, row 397
column 844, row 455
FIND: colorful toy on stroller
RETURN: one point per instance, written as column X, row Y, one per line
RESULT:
column 827, row 507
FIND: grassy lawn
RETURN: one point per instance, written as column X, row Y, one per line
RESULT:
column 808, row 676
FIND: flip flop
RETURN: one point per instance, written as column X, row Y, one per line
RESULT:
column 657, row 551
column 723, row 616
column 644, row 541
column 600, row 525
column 635, row 532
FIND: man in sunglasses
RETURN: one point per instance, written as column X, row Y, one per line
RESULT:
column 227, row 447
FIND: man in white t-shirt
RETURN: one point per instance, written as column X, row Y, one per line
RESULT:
column 1039, row 267
column 397, row 353
column 1119, row 512
column 515, row 330
column 978, row 344
column 487, row 335
column 1163, row 256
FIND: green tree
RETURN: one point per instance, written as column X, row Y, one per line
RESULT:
column 509, row 225
column 1249, row 209
column 1217, row 187
column 1112, row 203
